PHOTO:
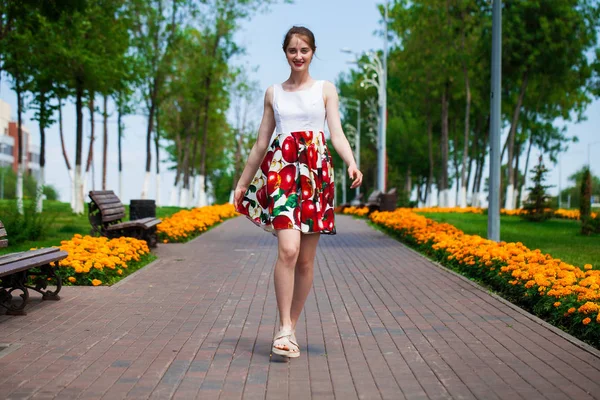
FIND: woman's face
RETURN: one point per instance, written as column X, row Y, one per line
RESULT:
column 298, row 54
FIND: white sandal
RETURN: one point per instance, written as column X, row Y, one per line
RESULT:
column 287, row 339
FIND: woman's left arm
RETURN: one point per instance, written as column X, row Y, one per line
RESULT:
column 338, row 138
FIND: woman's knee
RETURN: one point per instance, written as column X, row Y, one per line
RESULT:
column 304, row 267
column 288, row 252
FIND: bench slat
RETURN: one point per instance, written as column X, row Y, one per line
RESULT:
column 2, row 232
column 106, row 198
column 3, row 242
column 24, row 261
column 143, row 223
column 112, row 218
column 23, row 255
column 112, row 211
column 108, row 206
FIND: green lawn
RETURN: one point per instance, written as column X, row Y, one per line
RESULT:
column 61, row 223
column 558, row 237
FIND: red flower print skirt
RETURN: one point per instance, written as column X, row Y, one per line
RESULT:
column 293, row 188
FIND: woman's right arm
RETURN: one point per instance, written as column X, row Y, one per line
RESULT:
column 257, row 154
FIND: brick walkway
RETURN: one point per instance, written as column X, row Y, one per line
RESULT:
column 382, row 322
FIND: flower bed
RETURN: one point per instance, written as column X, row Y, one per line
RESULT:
column 98, row 260
column 187, row 224
column 562, row 294
column 560, row 213
column 359, row 211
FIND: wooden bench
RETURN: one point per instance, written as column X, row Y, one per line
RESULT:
column 106, row 213
column 373, row 201
column 379, row 201
column 16, row 269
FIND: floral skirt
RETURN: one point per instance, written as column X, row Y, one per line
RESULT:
column 294, row 187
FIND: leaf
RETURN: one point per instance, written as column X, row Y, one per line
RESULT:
column 252, row 203
column 292, row 201
column 278, row 210
column 252, row 189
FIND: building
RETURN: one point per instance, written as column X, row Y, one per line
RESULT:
column 9, row 140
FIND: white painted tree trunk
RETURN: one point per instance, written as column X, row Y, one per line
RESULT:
column 183, row 198
column 201, row 192
column 39, row 195
column 194, row 191
column 78, row 191
column 157, row 199
column 20, row 189
column 509, row 204
column 84, row 190
column 444, row 195
column 72, row 186
column 146, row 185
column 475, row 199
column 173, row 196
column 429, row 200
column 462, row 200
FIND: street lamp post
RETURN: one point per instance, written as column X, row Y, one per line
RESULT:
column 378, row 80
column 493, row 231
column 588, row 152
column 355, row 106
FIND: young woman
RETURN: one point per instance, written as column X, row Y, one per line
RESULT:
column 287, row 185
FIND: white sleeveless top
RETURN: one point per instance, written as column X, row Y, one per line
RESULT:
column 303, row 110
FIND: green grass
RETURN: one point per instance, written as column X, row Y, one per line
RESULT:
column 558, row 237
column 62, row 224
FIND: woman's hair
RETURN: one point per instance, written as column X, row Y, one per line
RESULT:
column 305, row 33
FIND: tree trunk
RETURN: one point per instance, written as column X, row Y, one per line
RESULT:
column 39, row 196
column 105, row 142
column 65, row 155
column 444, row 148
column 463, row 175
column 509, row 204
column 20, row 150
column 428, row 195
column 526, row 170
column 517, row 195
column 119, row 145
column 149, row 142
column 156, row 150
column 78, row 209
column 183, row 197
column 90, row 158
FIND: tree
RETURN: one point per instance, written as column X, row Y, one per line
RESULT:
column 537, row 207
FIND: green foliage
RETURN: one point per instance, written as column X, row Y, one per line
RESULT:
column 29, row 186
column 589, row 224
column 537, row 207
column 29, row 226
column 573, row 192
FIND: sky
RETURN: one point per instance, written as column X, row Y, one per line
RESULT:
column 262, row 37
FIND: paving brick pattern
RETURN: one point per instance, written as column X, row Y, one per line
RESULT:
column 381, row 323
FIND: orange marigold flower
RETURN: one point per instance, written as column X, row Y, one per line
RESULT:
column 72, row 279
column 96, row 282
column 587, row 321
column 571, row 310
column 557, row 304
column 587, row 266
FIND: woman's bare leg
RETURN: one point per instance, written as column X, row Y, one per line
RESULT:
column 289, row 248
column 303, row 276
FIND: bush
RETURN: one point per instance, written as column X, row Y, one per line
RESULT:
column 29, row 226
column 585, row 210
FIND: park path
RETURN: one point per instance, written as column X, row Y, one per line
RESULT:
column 381, row 322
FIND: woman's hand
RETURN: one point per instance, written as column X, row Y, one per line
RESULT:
column 238, row 196
column 356, row 175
